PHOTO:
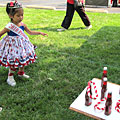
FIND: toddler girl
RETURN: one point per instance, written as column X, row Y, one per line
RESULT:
column 16, row 51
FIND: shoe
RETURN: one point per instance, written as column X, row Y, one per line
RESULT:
column 61, row 29
column 88, row 27
column 22, row 74
column 11, row 81
column 0, row 109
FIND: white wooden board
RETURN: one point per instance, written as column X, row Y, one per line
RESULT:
column 79, row 104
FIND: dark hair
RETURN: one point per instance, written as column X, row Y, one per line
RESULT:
column 11, row 8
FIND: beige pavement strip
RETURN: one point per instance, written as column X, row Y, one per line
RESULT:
column 40, row 7
column 54, row 8
column 2, row 5
column 96, row 10
column 34, row 6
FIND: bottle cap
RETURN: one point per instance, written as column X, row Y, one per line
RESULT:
column 105, row 68
column 109, row 91
column 109, row 94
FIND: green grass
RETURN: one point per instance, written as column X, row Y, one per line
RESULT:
column 66, row 62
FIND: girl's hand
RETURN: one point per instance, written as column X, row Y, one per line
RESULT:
column 44, row 34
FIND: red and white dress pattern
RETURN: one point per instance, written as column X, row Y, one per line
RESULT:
column 16, row 51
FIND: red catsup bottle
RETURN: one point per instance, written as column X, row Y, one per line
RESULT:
column 108, row 104
column 104, row 75
column 88, row 100
column 104, row 88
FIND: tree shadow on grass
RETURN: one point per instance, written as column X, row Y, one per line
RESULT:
column 46, row 28
column 78, row 28
column 99, row 50
column 55, row 29
column 80, row 36
column 70, row 68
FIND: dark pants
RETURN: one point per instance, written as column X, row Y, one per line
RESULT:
column 69, row 15
column 114, row 3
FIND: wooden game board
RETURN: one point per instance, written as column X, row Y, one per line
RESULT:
column 79, row 104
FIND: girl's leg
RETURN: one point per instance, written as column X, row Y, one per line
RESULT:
column 10, row 79
column 21, row 73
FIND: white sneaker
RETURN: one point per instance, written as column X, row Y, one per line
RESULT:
column 0, row 109
column 61, row 29
column 24, row 75
column 88, row 27
column 11, row 81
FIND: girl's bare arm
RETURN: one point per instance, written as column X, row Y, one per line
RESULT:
column 33, row 32
column 3, row 31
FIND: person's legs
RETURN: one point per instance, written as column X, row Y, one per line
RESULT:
column 10, row 79
column 114, row 3
column 84, row 17
column 21, row 73
column 68, row 18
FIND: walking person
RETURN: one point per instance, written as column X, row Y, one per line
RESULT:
column 71, row 8
column 16, row 51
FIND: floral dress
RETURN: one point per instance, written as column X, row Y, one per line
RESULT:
column 15, row 51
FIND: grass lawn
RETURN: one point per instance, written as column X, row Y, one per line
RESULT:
column 66, row 62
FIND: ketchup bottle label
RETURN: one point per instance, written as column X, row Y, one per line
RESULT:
column 109, row 110
column 105, row 72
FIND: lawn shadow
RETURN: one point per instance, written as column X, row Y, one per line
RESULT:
column 55, row 29
column 101, row 49
column 46, row 28
column 77, row 28
column 3, row 75
column 68, row 68
column 82, row 37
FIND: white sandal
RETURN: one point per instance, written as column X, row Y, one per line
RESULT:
column 11, row 81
